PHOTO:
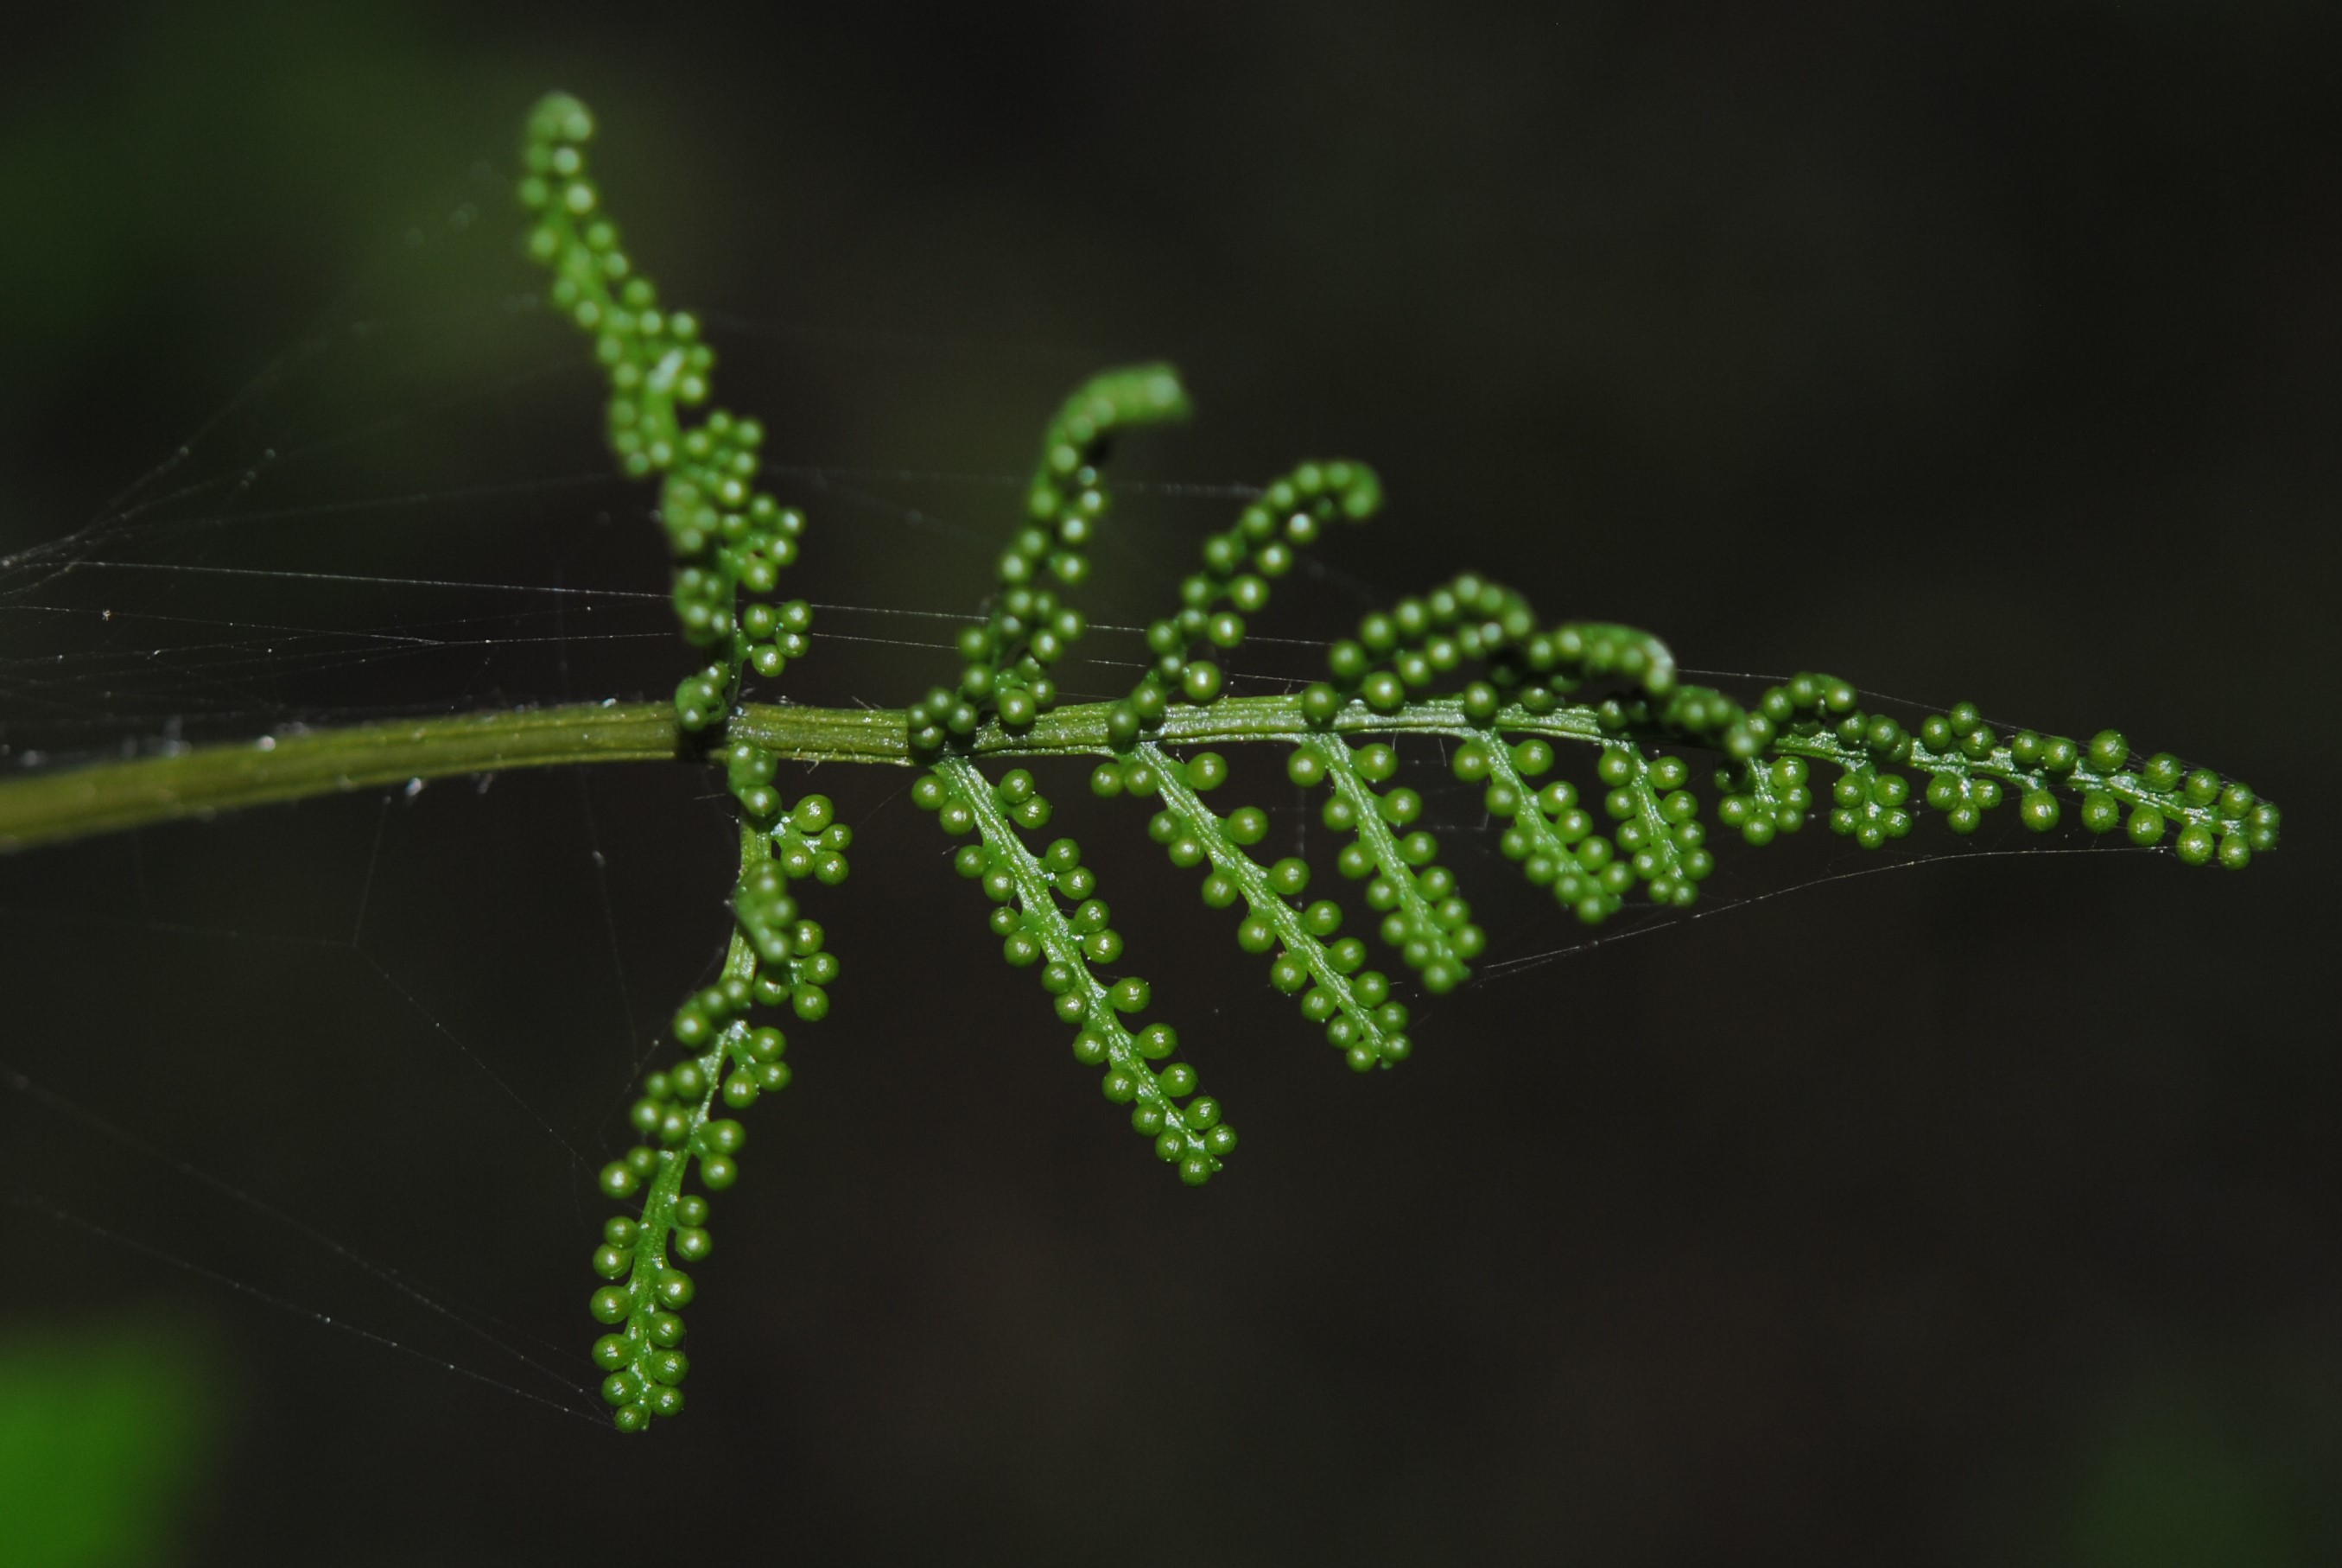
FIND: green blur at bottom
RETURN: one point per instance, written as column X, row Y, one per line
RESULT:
column 101, row 1436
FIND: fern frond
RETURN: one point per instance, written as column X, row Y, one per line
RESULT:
column 1468, row 663
column 775, row 957
column 730, row 542
column 1006, row 659
column 1324, row 969
column 1408, row 670
column 1293, row 513
column 1025, row 889
column 1425, row 918
column 728, row 538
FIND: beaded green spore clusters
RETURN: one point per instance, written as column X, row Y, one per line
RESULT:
column 730, row 542
column 1064, row 945
column 1469, row 663
column 1006, row 659
column 777, row 958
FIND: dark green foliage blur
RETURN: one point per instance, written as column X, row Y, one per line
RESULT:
column 104, row 1435
column 1987, row 1213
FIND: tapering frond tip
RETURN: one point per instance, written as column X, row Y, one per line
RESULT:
column 1111, row 400
column 1600, row 649
column 560, row 118
column 1343, row 484
column 1150, row 394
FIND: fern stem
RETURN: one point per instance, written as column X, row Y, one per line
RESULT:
column 109, row 796
column 103, row 797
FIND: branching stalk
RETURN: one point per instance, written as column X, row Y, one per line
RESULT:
column 109, row 796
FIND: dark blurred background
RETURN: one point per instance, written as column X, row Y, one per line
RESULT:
column 1988, row 1211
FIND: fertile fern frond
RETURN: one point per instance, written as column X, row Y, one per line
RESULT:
column 1026, row 888
column 1468, row 660
column 1327, row 970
